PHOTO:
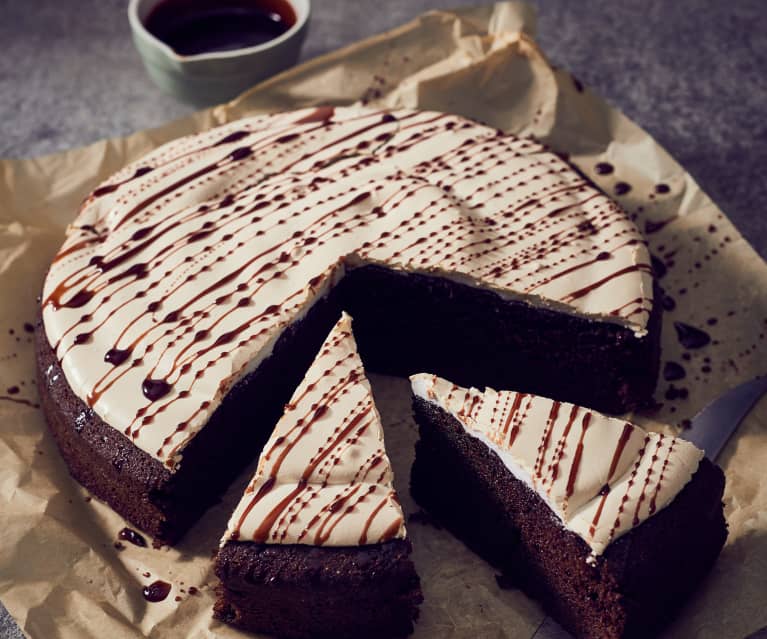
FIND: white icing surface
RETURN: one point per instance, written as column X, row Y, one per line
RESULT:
column 324, row 477
column 539, row 440
column 239, row 230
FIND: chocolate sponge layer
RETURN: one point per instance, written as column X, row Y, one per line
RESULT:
column 306, row 591
column 407, row 323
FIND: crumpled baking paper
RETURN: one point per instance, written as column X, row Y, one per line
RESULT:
column 60, row 574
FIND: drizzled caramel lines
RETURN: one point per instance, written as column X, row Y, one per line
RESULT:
column 181, row 271
column 320, row 433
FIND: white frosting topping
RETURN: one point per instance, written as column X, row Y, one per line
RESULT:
column 324, row 477
column 180, row 273
column 600, row 475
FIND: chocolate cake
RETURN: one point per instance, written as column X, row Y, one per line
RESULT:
column 194, row 288
column 608, row 526
column 317, row 546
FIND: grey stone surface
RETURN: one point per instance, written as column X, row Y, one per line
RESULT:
column 691, row 72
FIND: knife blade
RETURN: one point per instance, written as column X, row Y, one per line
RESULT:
column 709, row 430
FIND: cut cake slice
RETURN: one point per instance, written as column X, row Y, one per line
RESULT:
column 609, row 526
column 317, row 546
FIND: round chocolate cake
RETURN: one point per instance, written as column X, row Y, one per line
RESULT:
column 194, row 288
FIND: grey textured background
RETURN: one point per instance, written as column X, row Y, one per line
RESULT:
column 691, row 72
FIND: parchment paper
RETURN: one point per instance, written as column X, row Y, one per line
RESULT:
column 60, row 575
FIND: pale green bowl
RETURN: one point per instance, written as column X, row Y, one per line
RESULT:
column 211, row 78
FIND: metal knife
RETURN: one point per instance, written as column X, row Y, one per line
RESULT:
column 709, row 430
column 712, row 426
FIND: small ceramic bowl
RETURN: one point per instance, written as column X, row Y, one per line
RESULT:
column 210, row 78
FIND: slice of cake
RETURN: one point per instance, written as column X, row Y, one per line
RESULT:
column 610, row 527
column 317, row 545
column 194, row 287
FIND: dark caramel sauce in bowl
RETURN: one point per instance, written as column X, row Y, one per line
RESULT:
column 209, row 51
column 194, row 27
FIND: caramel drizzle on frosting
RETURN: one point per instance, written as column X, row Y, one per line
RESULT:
column 324, row 477
column 180, row 273
column 615, row 475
